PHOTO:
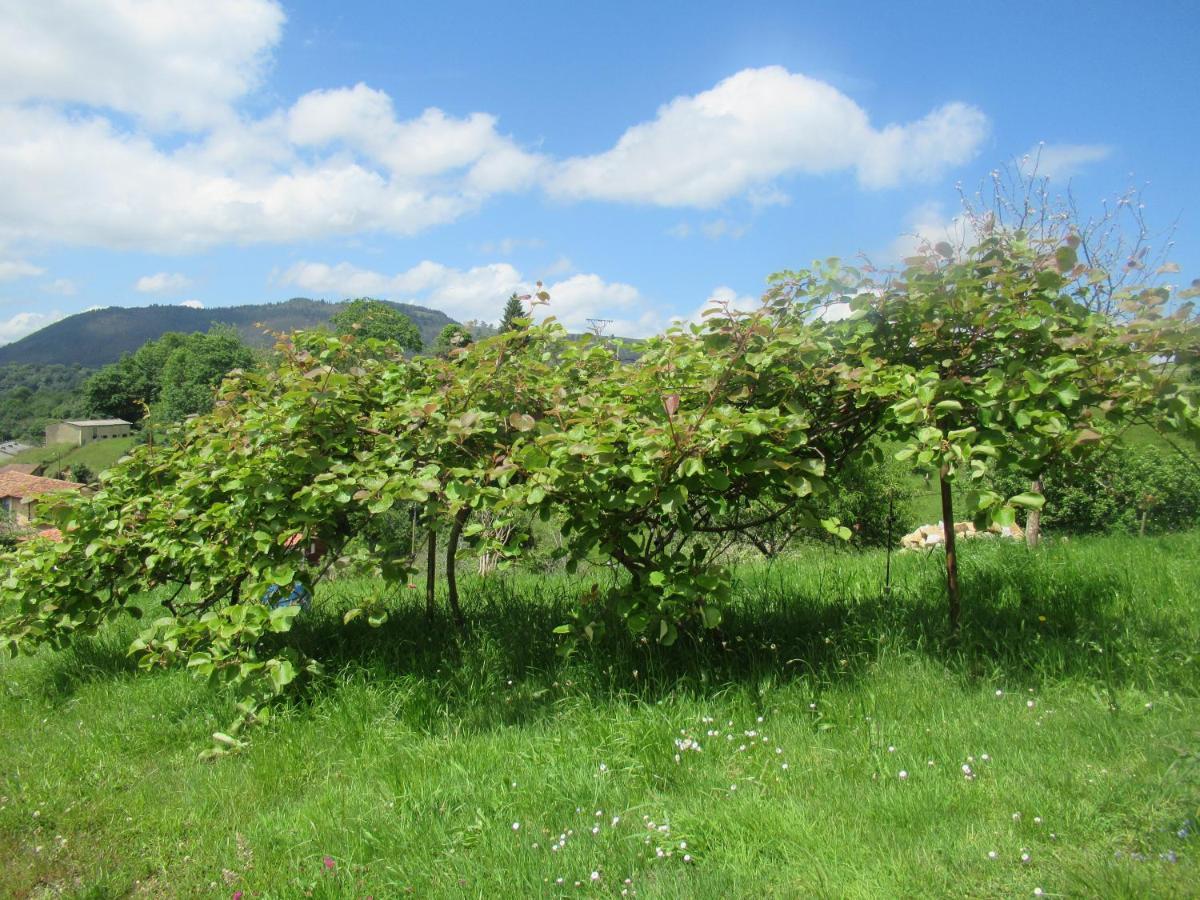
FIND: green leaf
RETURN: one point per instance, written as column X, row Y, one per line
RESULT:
column 1067, row 395
column 521, row 421
column 1065, row 258
column 712, row 616
column 1028, row 500
column 1004, row 516
column 667, row 633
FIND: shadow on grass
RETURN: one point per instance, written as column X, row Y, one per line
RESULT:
column 1027, row 617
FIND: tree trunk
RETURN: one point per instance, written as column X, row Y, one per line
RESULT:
column 1033, row 522
column 451, row 572
column 951, row 554
column 431, row 573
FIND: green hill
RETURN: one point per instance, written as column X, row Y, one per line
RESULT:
column 100, row 336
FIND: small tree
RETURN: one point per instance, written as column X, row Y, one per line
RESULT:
column 995, row 361
column 377, row 320
column 450, row 338
column 514, row 309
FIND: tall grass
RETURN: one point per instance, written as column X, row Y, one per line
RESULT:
column 1071, row 697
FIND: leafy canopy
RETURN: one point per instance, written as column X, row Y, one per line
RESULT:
column 654, row 467
column 379, row 321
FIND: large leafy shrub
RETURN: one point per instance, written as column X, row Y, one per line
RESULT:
column 1128, row 489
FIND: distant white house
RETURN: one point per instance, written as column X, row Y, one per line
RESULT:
column 84, row 431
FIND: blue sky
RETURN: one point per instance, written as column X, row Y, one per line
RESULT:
column 637, row 158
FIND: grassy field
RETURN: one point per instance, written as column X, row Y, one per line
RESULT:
column 97, row 456
column 830, row 742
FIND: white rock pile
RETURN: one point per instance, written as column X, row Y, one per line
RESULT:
column 928, row 536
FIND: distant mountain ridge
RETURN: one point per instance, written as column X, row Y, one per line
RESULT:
column 101, row 336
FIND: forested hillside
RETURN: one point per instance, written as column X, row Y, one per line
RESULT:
column 33, row 395
column 101, row 336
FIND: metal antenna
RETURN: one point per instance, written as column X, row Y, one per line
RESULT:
column 599, row 326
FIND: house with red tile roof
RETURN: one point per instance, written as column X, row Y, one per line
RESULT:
column 19, row 493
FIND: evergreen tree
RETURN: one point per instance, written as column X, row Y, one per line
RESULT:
column 513, row 310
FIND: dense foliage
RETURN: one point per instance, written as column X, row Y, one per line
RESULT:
column 966, row 363
column 171, row 377
column 376, row 320
column 451, row 338
column 33, row 396
column 1131, row 489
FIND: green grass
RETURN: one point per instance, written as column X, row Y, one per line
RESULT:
column 97, row 456
column 408, row 764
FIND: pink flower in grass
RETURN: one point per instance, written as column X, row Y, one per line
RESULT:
column 329, row 863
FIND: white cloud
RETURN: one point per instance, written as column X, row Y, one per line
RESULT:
column 480, row 292
column 1062, row 160
column 191, row 304
column 834, row 312
column 477, row 293
column 760, row 124
column 362, row 119
column 507, row 246
column 25, row 323
column 12, row 269
column 162, row 283
column 80, row 181
column 184, row 167
column 722, row 297
column 719, row 228
column 64, row 287
column 169, row 62
column 582, row 297
column 947, row 137
column 764, row 196
column 714, row 230
column 561, row 266
column 927, row 225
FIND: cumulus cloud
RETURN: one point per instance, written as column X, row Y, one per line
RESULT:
column 1063, row 160
column 362, row 119
column 24, row 323
column 926, row 225
column 192, row 304
column 480, row 292
column 760, row 124
column 476, row 293
column 168, row 62
column 507, row 246
column 162, row 283
column 12, row 269
column 182, row 168
column 79, row 180
column 64, row 287
column 722, row 297
column 124, row 125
